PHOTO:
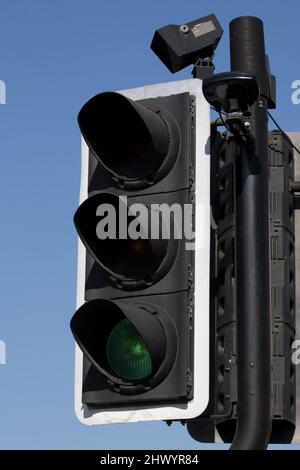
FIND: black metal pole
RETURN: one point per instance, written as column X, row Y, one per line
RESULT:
column 254, row 408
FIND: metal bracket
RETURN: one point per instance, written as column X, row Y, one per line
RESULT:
column 203, row 68
column 239, row 126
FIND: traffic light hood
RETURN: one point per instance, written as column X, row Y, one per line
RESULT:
column 130, row 344
column 133, row 142
column 133, row 263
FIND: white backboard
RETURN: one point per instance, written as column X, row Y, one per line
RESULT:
column 195, row 407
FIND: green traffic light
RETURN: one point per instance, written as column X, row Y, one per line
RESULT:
column 127, row 354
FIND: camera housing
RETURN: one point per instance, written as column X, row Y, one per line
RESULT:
column 179, row 46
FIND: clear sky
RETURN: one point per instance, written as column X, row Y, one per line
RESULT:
column 54, row 54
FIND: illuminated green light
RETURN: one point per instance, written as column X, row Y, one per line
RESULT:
column 127, row 354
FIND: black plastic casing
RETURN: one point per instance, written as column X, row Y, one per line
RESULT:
column 173, row 293
column 179, row 48
column 221, row 412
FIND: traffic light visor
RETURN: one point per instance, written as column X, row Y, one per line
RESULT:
column 125, row 342
column 125, row 259
column 129, row 139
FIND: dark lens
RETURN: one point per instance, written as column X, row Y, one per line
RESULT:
column 127, row 157
column 127, row 259
column 133, row 259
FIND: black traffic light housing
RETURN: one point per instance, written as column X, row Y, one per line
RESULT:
column 135, row 328
column 221, row 413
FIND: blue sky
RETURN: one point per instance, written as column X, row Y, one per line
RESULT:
column 53, row 56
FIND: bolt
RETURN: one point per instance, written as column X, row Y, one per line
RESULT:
column 184, row 29
column 247, row 125
column 261, row 104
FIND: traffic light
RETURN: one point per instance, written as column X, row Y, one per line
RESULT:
column 218, row 422
column 142, row 320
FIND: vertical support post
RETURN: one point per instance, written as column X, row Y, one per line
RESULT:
column 254, row 333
